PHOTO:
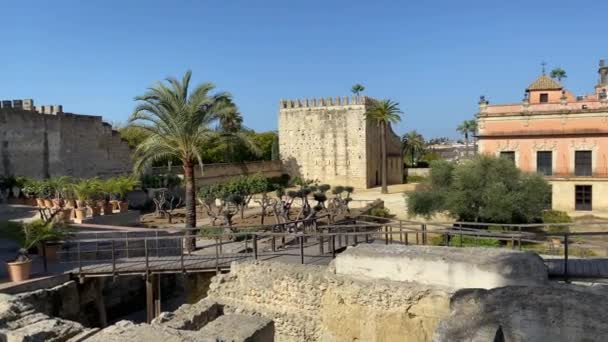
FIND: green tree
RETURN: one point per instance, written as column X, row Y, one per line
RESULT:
column 483, row 189
column 178, row 122
column 466, row 128
column 264, row 141
column 558, row 73
column 384, row 113
column 413, row 146
column 133, row 135
column 275, row 154
column 357, row 89
column 237, row 140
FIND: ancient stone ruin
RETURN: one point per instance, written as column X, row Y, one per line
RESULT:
column 370, row 293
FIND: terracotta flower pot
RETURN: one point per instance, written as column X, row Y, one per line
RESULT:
column 81, row 213
column 19, row 271
column 108, row 208
column 40, row 202
column 95, row 210
column 48, row 203
column 115, row 205
column 58, row 203
column 124, row 206
column 65, row 215
column 50, row 250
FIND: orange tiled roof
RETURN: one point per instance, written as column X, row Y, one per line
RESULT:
column 544, row 82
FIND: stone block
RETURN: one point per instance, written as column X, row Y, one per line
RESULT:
column 190, row 316
column 239, row 328
column 450, row 267
column 558, row 313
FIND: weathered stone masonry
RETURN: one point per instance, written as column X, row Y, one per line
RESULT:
column 330, row 140
column 39, row 145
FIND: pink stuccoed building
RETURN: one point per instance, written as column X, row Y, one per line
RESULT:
column 556, row 133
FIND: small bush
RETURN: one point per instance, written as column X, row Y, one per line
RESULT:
column 467, row 241
column 554, row 216
column 470, row 241
column 414, row 179
column 380, row 212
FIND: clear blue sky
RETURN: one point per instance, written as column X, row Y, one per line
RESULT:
column 434, row 58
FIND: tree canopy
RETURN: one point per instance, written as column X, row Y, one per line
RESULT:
column 558, row 73
column 483, row 189
column 413, row 146
column 357, row 89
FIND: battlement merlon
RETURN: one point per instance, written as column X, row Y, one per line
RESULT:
column 325, row 102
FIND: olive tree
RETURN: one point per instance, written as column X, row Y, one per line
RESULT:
column 484, row 189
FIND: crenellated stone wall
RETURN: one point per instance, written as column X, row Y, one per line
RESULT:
column 38, row 145
column 329, row 139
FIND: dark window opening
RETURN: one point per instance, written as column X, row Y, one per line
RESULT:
column 544, row 98
column 582, row 163
column 582, row 197
column 544, row 162
column 509, row 155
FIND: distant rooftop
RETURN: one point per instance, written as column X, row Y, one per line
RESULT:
column 543, row 82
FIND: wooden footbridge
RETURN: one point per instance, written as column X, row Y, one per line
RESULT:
column 154, row 252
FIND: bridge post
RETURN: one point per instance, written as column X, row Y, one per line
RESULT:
column 113, row 259
column 333, row 246
column 320, row 239
column 79, row 258
column 255, row 247
column 385, row 235
column 302, row 250
column 152, row 296
column 424, row 234
column 566, row 257
column 217, row 256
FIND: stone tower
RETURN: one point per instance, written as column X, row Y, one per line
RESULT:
column 329, row 140
column 603, row 71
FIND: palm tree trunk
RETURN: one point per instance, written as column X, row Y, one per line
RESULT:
column 466, row 143
column 190, row 202
column 384, row 163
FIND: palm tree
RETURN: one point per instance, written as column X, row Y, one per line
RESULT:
column 384, row 113
column 465, row 128
column 357, row 89
column 413, row 145
column 558, row 73
column 178, row 122
column 232, row 132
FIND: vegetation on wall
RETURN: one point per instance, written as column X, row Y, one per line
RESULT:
column 484, row 189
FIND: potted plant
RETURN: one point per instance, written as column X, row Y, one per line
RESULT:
column 95, row 196
column 122, row 185
column 106, row 189
column 28, row 235
column 45, row 193
column 83, row 191
column 31, row 189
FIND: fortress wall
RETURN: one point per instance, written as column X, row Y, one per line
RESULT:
column 38, row 145
column 324, row 142
column 329, row 139
column 374, row 151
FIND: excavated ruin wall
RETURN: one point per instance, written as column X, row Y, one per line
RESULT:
column 311, row 303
